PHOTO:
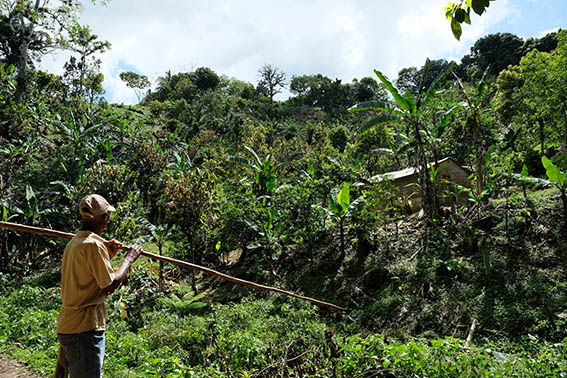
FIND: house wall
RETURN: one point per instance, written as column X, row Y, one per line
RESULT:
column 410, row 194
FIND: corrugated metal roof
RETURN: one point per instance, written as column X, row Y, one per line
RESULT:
column 395, row 175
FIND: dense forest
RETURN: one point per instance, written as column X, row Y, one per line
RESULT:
column 449, row 280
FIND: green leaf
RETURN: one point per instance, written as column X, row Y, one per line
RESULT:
column 449, row 13
column 524, row 171
column 400, row 100
column 271, row 182
column 387, row 151
column 479, row 6
column 460, row 15
column 66, row 187
column 254, row 245
column 411, row 102
column 356, row 205
column 29, row 192
column 456, row 29
column 440, row 77
column 218, row 246
column 146, row 223
column 253, row 153
column 377, row 105
column 333, row 204
column 440, row 128
column 343, row 198
column 378, row 120
column 468, row 16
column 553, row 173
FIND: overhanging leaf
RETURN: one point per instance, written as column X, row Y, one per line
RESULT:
column 533, row 180
column 553, row 173
column 343, row 198
column 400, row 100
column 440, row 77
column 456, row 29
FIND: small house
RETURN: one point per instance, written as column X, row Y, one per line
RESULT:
column 407, row 181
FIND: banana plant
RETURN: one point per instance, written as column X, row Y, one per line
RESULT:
column 475, row 100
column 82, row 142
column 158, row 234
column 340, row 207
column 268, row 231
column 264, row 169
column 410, row 110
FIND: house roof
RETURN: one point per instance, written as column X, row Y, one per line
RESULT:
column 395, row 175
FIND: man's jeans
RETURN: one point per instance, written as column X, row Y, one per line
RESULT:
column 83, row 353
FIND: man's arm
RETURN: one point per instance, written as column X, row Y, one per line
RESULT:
column 122, row 272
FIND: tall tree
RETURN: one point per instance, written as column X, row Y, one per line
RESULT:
column 272, row 81
column 135, row 81
column 367, row 89
column 30, row 29
column 411, row 78
column 534, row 91
column 83, row 71
column 205, row 78
column 494, row 51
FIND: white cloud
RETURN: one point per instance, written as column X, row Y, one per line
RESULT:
column 337, row 38
column 546, row 32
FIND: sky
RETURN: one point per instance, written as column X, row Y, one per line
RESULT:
column 342, row 39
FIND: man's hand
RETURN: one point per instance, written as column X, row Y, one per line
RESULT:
column 122, row 272
column 113, row 246
column 133, row 253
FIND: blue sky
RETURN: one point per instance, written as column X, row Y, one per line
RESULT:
column 342, row 39
column 533, row 16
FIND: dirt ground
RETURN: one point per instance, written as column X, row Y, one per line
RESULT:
column 14, row 369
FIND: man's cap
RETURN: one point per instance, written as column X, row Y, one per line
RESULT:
column 93, row 205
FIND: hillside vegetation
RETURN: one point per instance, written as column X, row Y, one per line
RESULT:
column 212, row 170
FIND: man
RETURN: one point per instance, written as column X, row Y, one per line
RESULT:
column 86, row 279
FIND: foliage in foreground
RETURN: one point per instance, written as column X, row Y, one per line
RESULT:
column 259, row 338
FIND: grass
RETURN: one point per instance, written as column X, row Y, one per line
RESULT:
column 260, row 338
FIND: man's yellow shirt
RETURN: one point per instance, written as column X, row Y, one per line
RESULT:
column 85, row 272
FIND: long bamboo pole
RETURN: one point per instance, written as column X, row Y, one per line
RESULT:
column 60, row 234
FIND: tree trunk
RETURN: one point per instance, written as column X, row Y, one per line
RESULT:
column 160, row 271
column 541, row 136
column 423, row 175
column 4, row 253
column 479, row 154
column 343, row 253
column 565, row 135
column 436, row 204
column 564, row 200
column 22, row 79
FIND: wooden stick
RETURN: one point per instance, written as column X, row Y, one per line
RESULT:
column 471, row 334
column 60, row 234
